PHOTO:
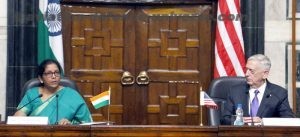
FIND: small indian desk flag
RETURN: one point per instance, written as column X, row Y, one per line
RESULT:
column 101, row 100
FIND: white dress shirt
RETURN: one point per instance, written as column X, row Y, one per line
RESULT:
column 261, row 90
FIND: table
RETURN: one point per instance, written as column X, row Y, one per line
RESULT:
column 145, row 130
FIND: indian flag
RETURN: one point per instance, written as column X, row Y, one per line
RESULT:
column 103, row 99
column 49, row 31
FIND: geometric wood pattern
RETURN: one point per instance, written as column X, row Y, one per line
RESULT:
column 171, row 44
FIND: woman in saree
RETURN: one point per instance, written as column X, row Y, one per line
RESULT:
column 62, row 105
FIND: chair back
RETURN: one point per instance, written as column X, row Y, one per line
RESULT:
column 218, row 90
column 35, row 82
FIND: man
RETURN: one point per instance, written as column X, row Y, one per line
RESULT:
column 258, row 96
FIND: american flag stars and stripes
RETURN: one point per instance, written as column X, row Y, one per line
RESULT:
column 229, row 43
column 205, row 100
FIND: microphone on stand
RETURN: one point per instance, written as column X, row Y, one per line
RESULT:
column 56, row 109
column 39, row 96
column 251, row 115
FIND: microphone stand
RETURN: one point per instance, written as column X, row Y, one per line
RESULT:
column 251, row 115
column 56, row 109
column 39, row 96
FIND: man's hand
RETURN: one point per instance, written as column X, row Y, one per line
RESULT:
column 249, row 119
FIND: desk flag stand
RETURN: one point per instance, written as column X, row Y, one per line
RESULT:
column 108, row 122
column 101, row 100
column 201, row 102
column 206, row 101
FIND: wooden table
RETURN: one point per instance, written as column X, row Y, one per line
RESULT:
column 145, row 131
column 258, row 131
column 44, row 131
column 154, row 131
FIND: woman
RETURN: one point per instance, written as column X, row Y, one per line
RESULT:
column 62, row 105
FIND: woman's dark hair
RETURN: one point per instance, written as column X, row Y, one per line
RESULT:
column 44, row 64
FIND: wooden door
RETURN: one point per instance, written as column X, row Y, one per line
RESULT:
column 170, row 45
column 175, row 51
column 98, row 47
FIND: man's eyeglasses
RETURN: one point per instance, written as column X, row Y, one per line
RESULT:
column 50, row 74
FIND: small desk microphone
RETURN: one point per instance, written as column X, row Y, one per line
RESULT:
column 56, row 109
column 251, row 115
column 39, row 96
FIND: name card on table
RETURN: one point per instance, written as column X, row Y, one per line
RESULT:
column 281, row 121
column 20, row 120
column 99, row 123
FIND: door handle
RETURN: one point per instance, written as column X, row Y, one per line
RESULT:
column 142, row 78
column 127, row 78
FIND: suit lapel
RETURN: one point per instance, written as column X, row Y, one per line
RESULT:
column 264, row 101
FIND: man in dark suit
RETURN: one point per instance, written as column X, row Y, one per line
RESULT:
column 259, row 97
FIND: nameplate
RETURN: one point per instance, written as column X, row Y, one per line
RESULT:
column 30, row 120
column 99, row 123
column 281, row 121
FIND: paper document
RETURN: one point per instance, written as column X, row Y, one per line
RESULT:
column 32, row 120
column 281, row 121
column 94, row 123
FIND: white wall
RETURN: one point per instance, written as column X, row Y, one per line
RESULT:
column 278, row 34
column 3, row 56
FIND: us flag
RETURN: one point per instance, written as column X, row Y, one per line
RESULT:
column 229, row 44
column 205, row 100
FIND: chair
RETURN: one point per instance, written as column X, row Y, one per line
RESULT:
column 218, row 90
column 35, row 82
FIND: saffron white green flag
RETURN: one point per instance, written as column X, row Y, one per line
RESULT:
column 101, row 100
column 49, row 31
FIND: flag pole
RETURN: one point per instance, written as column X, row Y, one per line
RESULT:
column 108, row 115
column 201, row 123
column 108, row 122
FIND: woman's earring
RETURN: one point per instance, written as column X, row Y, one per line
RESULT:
column 42, row 82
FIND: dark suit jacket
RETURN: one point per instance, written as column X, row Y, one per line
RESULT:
column 274, row 102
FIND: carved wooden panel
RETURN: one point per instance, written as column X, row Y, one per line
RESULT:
column 97, row 49
column 175, row 45
column 166, row 49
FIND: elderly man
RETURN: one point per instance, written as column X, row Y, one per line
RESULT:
column 259, row 97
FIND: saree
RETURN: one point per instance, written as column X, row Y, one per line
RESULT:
column 65, row 103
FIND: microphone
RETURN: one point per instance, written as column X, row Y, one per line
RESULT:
column 56, row 109
column 39, row 96
column 251, row 115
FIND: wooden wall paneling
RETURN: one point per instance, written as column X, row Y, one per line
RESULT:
column 172, row 44
column 173, row 51
column 99, row 44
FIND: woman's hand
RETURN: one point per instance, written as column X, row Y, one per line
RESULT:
column 64, row 122
column 19, row 113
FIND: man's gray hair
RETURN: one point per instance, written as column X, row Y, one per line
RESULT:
column 262, row 59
